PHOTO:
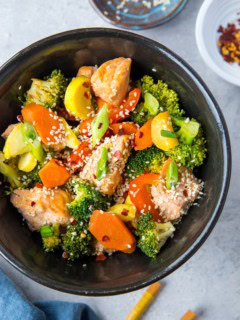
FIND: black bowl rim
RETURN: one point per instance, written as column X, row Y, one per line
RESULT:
column 227, row 159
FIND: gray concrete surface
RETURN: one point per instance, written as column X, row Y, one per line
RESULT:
column 209, row 282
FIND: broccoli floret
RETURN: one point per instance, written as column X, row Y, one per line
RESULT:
column 190, row 156
column 30, row 179
column 150, row 159
column 77, row 241
column 152, row 235
column 49, row 92
column 88, row 199
column 188, row 129
column 167, row 99
column 10, row 173
column 50, row 237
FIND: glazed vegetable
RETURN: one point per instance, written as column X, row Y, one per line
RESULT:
column 53, row 174
column 163, row 122
column 77, row 241
column 47, row 124
column 111, row 232
column 50, row 237
column 49, row 92
column 30, row 137
column 147, row 160
column 119, row 113
column 100, row 125
column 124, row 128
column 126, row 212
column 10, row 173
column 79, row 155
column 27, row 162
column 84, row 128
column 165, row 168
column 188, row 129
column 167, row 99
column 71, row 140
column 78, row 98
column 143, row 138
column 172, row 175
column 87, row 199
column 102, row 165
column 152, row 235
column 15, row 144
column 140, row 194
column 190, row 156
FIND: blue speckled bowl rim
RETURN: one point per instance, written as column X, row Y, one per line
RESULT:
column 227, row 159
column 155, row 24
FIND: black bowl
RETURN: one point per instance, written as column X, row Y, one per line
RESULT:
column 121, row 272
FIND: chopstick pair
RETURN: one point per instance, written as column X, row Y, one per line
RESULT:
column 146, row 300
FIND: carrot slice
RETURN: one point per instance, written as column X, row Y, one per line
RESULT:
column 190, row 315
column 165, row 167
column 53, row 174
column 124, row 128
column 111, row 232
column 143, row 137
column 85, row 127
column 47, row 123
column 140, row 195
column 79, row 155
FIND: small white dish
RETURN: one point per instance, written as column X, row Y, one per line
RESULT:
column 212, row 14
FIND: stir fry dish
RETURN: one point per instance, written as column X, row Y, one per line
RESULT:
column 101, row 163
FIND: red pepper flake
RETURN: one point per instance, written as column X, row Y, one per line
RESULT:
column 140, row 134
column 65, row 255
column 39, row 185
column 101, row 258
column 125, row 212
column 121, row 132
column 74, row 222
column 100, row 125
column 33, row 203
column 117, row 154
column 105, row 238
column 94, row 176
column 86, row 84
column 86, row 95
column 185, row 192
column 20, row 118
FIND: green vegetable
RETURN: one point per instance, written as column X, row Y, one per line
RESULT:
column 151, row 104
column 87, row 200
column 49, row 92
column 27, row 162
column 167, row 99
column 50, row 237
column 102, row 165
column 172, row 175
column 190, row 156
column 77, row 241
column 30, row 179
column 30, row 137
column 188, row 129
column 100, row 125
column 168, row 134
column 9, row 172
column 152, row 235
column 150, row 160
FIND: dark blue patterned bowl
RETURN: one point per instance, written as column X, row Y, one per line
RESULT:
column 138, row 14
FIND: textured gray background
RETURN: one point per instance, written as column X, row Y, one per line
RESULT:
column 209, row 282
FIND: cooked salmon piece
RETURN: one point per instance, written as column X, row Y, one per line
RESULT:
column 9, row 129
column 175, row 202
column 110, row 81
column 39, row 206
column 86, row 71
column 118, row 153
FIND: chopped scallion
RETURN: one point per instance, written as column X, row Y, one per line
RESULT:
column 100, row 125
column 102, row 165
column 168, row 134
column 172, row 175
column 46, row 231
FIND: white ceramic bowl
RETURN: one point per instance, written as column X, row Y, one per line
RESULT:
column 212, row 14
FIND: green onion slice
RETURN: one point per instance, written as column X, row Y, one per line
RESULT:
column 151, row 104
column 46, row 231
column 102, row 165
column 30, row 136
column 172, row 175
column 168, row 134
column 100, row 125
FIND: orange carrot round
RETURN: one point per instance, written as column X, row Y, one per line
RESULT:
column 124, row 128
column 53, row 174
column 143, row 137
column 111, row 232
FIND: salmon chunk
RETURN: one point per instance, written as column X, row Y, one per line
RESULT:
column 110, row 81
column 40, row 206
column 175, row 202
column 118, row 153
